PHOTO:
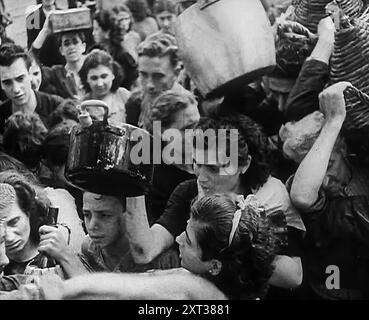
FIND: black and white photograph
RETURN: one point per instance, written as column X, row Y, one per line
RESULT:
column 184, row 154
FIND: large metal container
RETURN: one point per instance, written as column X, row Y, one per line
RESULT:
column 71, row 19
column 100, row 158
column 224, row 44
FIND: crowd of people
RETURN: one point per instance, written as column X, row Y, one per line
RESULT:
column 289, row 222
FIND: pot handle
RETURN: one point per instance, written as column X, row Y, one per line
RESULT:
column 97, row 104
column 205, row 3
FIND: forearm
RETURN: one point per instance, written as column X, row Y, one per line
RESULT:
column 72, row 265
column 143, row 242
column 140, row 286
column 287, row 273
column 323, row 50
column 311, row 172
column 40, row 40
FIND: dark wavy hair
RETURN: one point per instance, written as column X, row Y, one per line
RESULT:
column 139, row 8
column 160, row 45
column 105, row 20
column 67, row 110
column 166, row 105
column 164, row 5
column 252, row 141
column 10, row 52
column 8, row 162
column 24, row 134
column 247, row 263
column 100, row 57
column 32, row 200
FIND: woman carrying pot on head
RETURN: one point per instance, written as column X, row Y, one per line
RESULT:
column 227, row 252
column 251, row 175
column 101, row 76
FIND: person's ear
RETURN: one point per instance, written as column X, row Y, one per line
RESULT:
column 177, row 71
column 215, row 267
column 84, row 47
column 245, row 167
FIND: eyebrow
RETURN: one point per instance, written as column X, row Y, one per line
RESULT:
column 16, row 77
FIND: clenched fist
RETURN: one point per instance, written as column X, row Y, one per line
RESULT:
column 332, row 101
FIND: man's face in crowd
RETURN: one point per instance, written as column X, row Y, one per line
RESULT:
column 16, row 82
column 36, row 76
column 103, row 217
column 166, row 21
column 72, row 48
column 157, row 75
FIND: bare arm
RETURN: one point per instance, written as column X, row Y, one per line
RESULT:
column 311, row 172
column 146, row 243
column 42, row 36
column 287, row 273
column 174, row 285
column 325, row 44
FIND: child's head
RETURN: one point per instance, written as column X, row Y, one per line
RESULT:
column 103, row 216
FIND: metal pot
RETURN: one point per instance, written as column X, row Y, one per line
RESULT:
column 225, row 44
column 99, row 158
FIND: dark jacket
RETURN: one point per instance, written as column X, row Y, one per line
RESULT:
column 55, row 81
column 46, row 104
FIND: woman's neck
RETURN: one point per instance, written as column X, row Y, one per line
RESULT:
column 27, row 253
column 103, row 98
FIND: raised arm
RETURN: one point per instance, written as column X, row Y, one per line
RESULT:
column 311, row 172
column 146, row 243
column 41, row 37
column 313, row 77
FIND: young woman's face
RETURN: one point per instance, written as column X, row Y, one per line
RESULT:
column 98, row 33
column 103, row 217
column 100, row 80
column 189, row 251
column 214, row 173
column 18, row 229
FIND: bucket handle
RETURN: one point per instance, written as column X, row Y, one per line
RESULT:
column 205, row 3
column 97, row 104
